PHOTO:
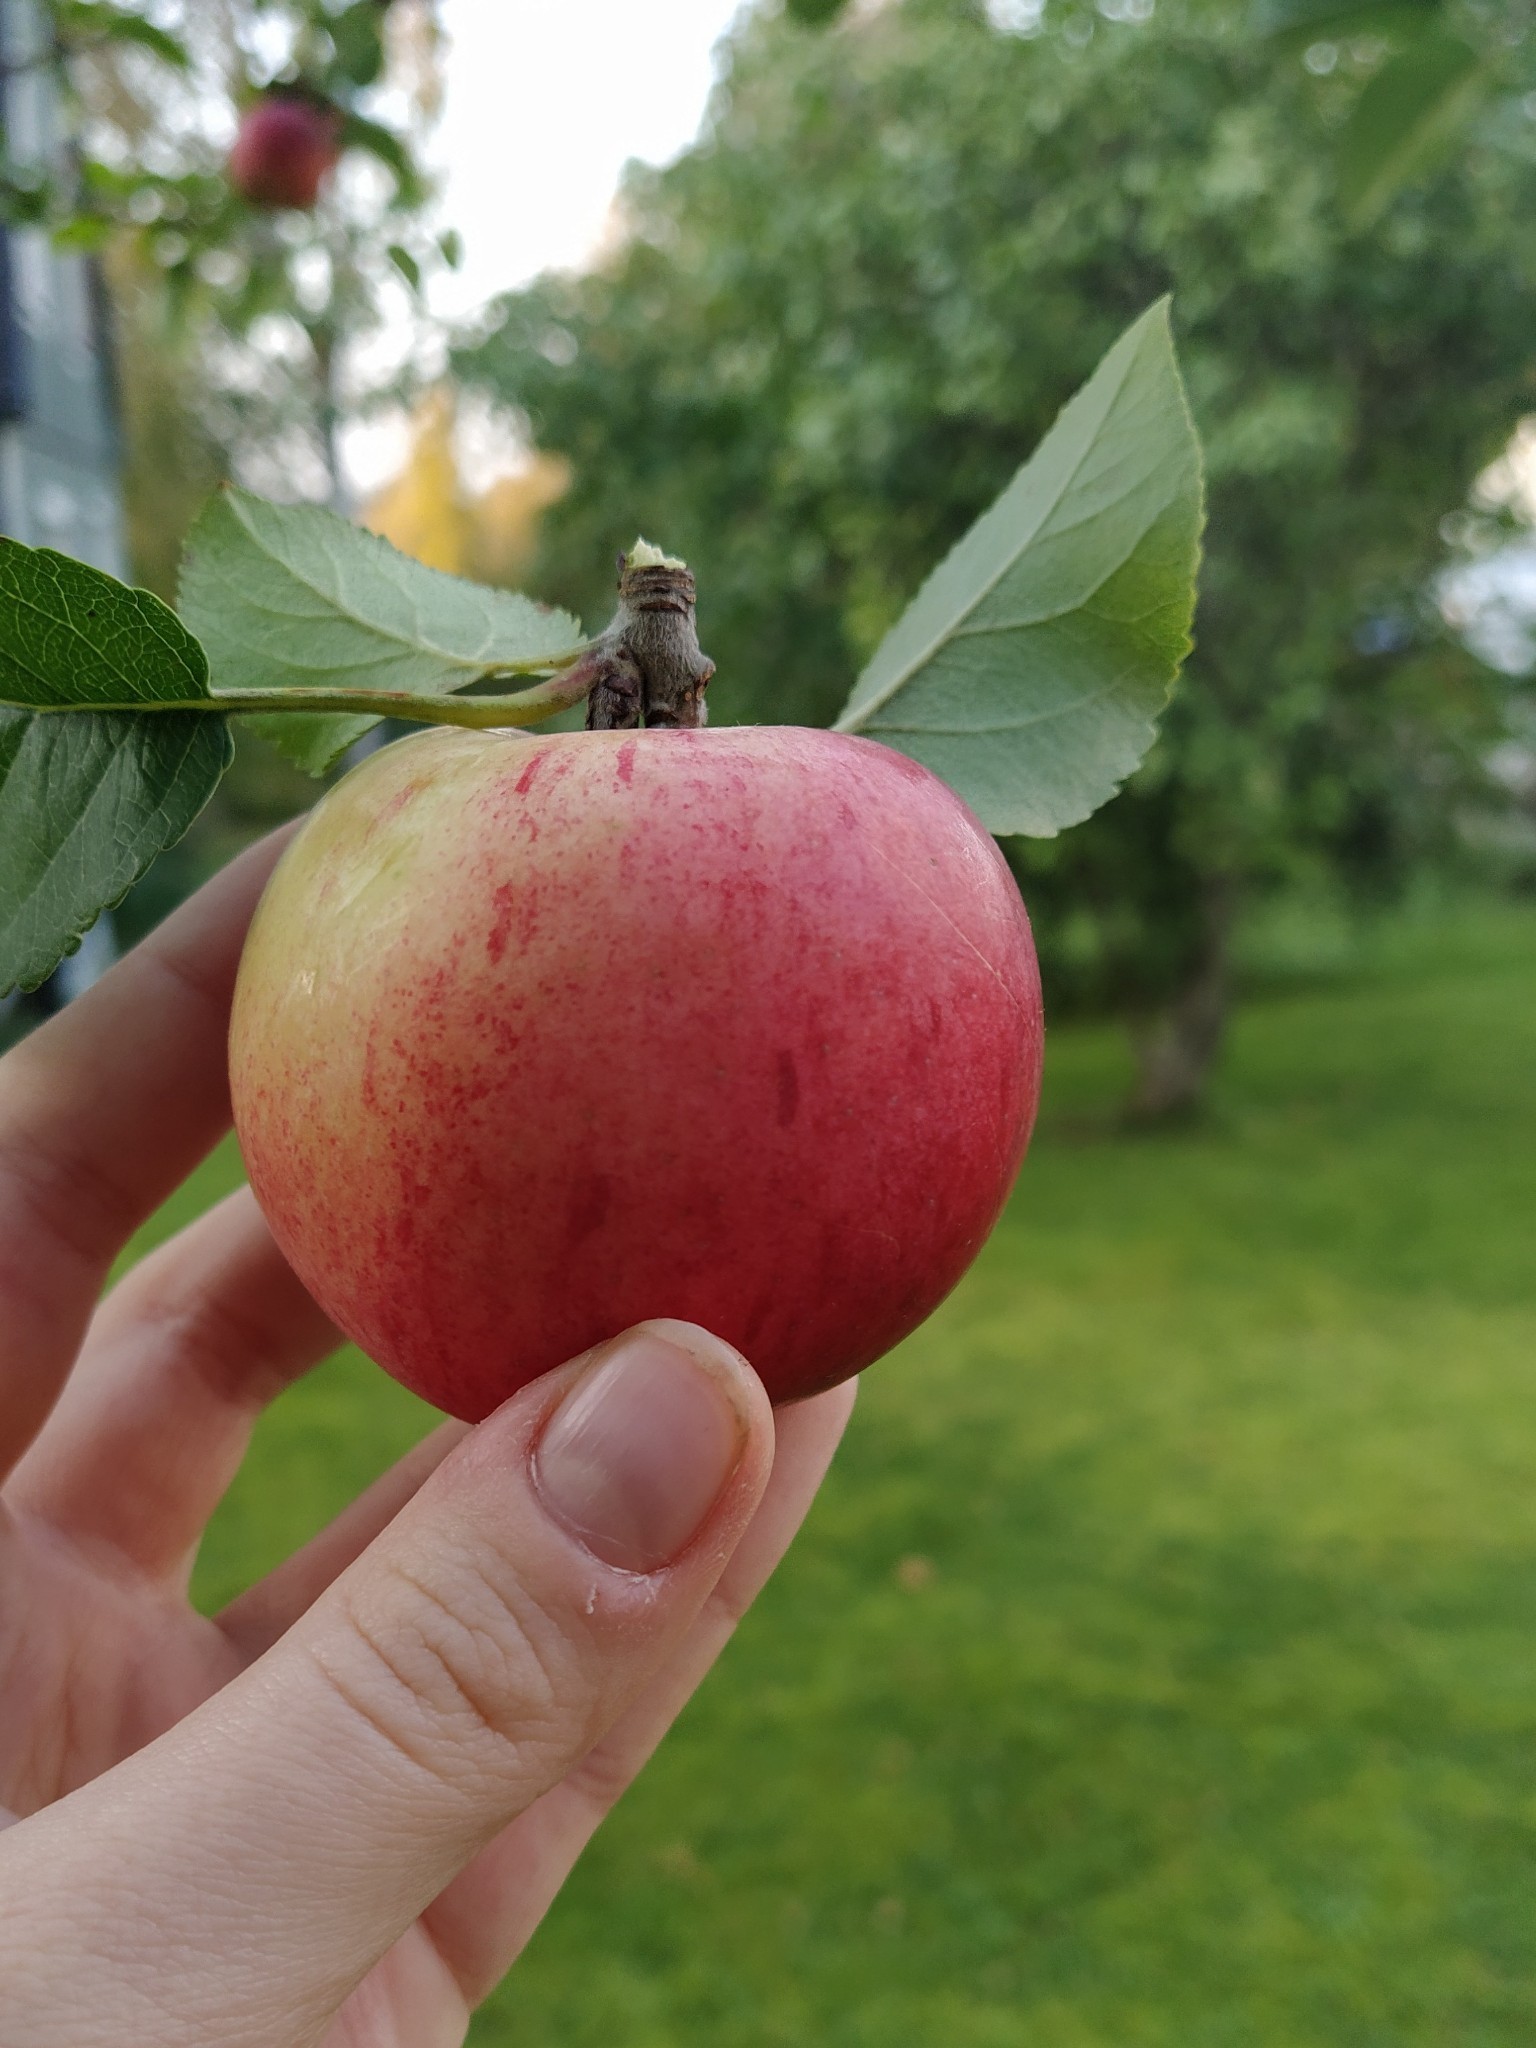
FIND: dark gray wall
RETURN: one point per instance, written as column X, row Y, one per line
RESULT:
column 58, row 439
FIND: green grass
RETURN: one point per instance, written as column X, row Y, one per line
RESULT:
column 1160, row 1664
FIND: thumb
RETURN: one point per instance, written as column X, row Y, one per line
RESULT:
column 238, row 1878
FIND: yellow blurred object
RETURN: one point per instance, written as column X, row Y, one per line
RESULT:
column 506, row 517
column 427, row 512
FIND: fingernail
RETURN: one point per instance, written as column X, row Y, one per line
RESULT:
column 641, row 1448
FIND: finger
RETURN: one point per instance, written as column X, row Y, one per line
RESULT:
column 486, row 1917
column 180, row 1360
column 103, row 1111
column 255, row 1621
column 263, row 1855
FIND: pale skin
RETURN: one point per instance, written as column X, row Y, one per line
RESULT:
column 335, row 1812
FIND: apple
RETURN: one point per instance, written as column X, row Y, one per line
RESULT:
column 287, row 144
column 535, row 1038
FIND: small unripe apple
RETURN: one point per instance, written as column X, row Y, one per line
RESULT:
column 535, row 1038
column 287, row 144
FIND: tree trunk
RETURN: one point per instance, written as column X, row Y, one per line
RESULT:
column 1177, row 1047
column 323, row 341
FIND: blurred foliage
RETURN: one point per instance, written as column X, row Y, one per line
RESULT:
column 244, row 333
column 148, row 107
column 242, row 339
column 1424, row 72
column 170, row 459
column 837, row 324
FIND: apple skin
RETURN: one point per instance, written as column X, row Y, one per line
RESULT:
column 286, row 146
column 536, row 1038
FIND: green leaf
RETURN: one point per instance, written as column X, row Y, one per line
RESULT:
column 90, row 792
column 1407, row 109
column 73, row 635
column 357, row 36
column 285, row 595
column 406, row 264
column 26, row 197
column 86, row 803
column 96, row 21
column 1296, row 24
column 1030, row 668
column 85, row 233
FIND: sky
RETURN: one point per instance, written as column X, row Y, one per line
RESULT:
column 545, row 102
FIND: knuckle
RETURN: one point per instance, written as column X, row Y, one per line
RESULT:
column 59, row 1182
column 60, row 1198
column 470, row 1679
column 229, row 1352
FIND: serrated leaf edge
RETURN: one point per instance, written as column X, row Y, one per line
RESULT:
column 856, row 720
column 237, row 500
column 146, row 613
column 71, row 942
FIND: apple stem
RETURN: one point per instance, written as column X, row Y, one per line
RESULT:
column 649, row 666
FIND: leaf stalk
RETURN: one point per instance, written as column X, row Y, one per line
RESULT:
column 522, row 707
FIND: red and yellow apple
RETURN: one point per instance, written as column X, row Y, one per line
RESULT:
column 535, row 1038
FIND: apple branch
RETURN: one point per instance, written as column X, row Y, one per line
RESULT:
column 649, row 666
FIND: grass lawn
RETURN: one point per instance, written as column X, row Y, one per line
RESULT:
column 1160, row 1664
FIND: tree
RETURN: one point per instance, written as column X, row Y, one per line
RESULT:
column 243, row 331
column 1419, row 74
column 259, row 309
column 835, row 325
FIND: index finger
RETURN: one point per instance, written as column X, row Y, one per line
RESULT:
column 103, row 1112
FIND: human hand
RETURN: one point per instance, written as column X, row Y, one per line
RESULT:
column 336, row 1812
